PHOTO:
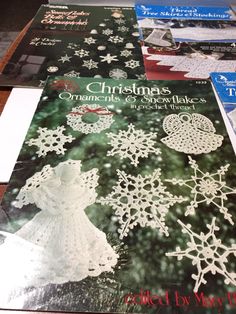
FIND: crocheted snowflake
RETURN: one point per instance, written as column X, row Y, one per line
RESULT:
column 119, row 21
column 90, row 40
column 126, row 53
column 50, row 140
column 90, row 64
column 140, row 200
column 207, row 253
column 72, row 73
column 102, row 114
column 209, row 188
column 65, row 58
column 108, row 58
column 81, row 53
column 132, row 144
column 118, row 74
column 132, row 64
column 116, row 39
column 107, row 32
column 123, row 29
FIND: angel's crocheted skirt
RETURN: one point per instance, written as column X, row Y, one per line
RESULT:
column 54, row 249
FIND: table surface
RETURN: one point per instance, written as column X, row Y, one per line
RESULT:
column 5, row 91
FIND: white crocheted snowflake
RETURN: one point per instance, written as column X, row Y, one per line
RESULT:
column 118, row 74
column 107, row 32
column 132, row 64
column 123, row 29
column 108, row 58
column 90, row 64
column 50, row 141
column 209, row 188
column 73, row 46
column 89, row 40
column 207, row 253
column 103, row 118
column 126, row 53
column 116, row 39
column 81, row 53
column 72, row 73
column 65, row 58
column 119, row 21
column 132, row 144
column 140, row 200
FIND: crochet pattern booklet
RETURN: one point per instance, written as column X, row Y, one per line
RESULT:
column 225, row 86
column 185, row 43
column 77, row 41
column 122, row 200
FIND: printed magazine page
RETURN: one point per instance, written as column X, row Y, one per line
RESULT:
column 225, row 86
column 122, row 200
column 77, row 41
column 185, row 43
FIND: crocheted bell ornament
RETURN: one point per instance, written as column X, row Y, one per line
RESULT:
column 190, row 133
column 60, row 244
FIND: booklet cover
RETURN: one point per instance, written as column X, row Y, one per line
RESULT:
column 122, row 200
column 225, row 86
column 183, row 42
column 77, row 41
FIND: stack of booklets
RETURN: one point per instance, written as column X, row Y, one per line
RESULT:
column 122, row 199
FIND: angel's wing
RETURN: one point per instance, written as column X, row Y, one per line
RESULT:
column 171, row 123
column 25, row 197
column 202, row 123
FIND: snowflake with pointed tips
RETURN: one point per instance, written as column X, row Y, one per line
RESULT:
column 107, row 32
column 118, row 74
column 116, row 39
column 65, row 58
column 89, row 40
column 126, row 53
column 108, row 58
column 90, row 64
column 141, row 76
column 132, row 144
column 209, row 188
column 139, row 200
column 123, row 29
column 81, row 53
column 207, row 253
column 72, row 46
column 119, row 21
column 50, row 140
column 132, row 64
column 72, row 73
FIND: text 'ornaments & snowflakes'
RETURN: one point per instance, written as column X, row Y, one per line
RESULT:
column 91, row 118
column 209, row 188
column 207, row 253
column 190, row 133
column 50, row 141
column 132, row 144
column 140, row 200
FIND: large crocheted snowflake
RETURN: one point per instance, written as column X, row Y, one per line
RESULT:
column 132, row 64
column 207, row 253
column 140, row 200
column 118, row 74
column 209, row 188
column 50, row 140
column 132, row 144
column 90, row 64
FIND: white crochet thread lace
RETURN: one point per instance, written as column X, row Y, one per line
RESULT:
column 140, row 201
column 60, row 241
column 209, row 188
column 133, row 144
column 75, row 118
column 50, row 141
column 190, row 133
column 197, row 65
column 207, row 253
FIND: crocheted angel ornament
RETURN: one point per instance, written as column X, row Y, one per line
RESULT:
column 60, row 243
column 190, row 133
